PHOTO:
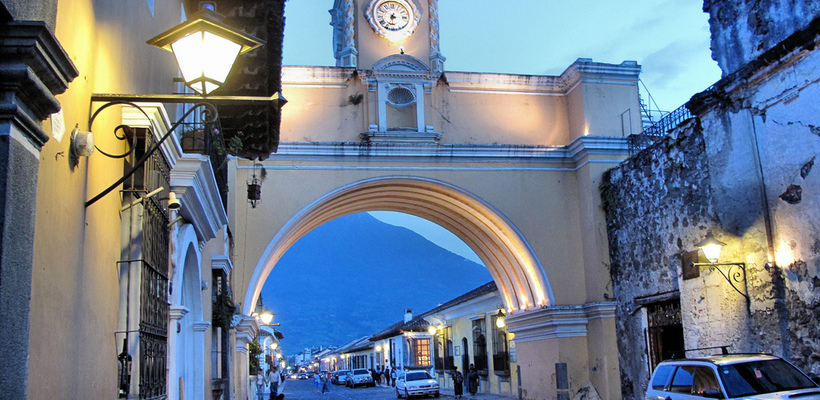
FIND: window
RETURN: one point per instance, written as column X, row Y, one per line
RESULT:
column 682, row 382
column 448, row 350
column 480, row 346
column 501, row 356
column 438, row 347
column 661, row 377
column 421, row 352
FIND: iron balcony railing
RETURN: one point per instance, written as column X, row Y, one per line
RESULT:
column 649, row 135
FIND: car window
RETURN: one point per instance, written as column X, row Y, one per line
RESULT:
column 759, row 377
column 661, row 377
column 415, row 376
column 682, row 381
column 704, row 382
column 361, row 371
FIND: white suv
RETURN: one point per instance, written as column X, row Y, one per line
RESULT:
column 360, row 377
column 740, row 376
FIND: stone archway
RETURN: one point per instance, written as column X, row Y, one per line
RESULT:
column 186, row 331
column 521, row 279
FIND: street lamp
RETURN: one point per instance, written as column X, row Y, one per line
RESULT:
column 266, row 317
column 711, row 250
column 205, row 49
column 499, row 319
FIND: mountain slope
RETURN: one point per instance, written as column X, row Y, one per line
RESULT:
column 355, row 275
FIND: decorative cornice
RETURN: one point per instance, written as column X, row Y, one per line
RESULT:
column 583, row 70
column 614, row 147
column 557, row 321
column 246, row 330
column 193, row 181
column 317, row 76
column 176, row 313
column 219, row 261
column 32, row 44
column 201, row 326
column 156, row 119
column 33, row 69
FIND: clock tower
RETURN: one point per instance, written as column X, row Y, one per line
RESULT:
column 393, row 44
column 366, row 31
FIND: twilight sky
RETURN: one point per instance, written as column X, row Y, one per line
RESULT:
column 668, row 38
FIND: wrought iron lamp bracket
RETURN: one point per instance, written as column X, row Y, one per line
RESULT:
column 736, row 273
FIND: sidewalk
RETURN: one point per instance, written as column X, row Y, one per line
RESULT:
column 448, row 392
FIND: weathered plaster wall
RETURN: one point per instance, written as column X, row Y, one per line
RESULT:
column 652, row 200
column 743, row 169
column 743, row 30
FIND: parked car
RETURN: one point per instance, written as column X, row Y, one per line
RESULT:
column 338, row 377
column 360, row 377
column 739, row 376
column 416, row 383
column 303, row 375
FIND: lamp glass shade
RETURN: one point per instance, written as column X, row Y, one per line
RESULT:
column 432, row 330
column 711, row 247
column 205, row 60
column 499, row 322
column 205, row 49
column 266, row 317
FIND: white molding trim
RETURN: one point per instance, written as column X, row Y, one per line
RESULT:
column 176, row 313
column 193, row 181
column 615, row 147
column 583, row 70
column 201, row 326
column 159, row 123
column 246, row 330
column 223, row 262
column 317, row 76
column 558, row 321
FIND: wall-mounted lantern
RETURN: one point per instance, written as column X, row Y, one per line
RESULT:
column 499, row 319
column 711, row 250
column 205, row 49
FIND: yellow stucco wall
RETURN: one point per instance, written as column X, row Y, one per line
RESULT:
column 76, row 293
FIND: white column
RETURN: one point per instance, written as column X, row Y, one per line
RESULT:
column 176, row 313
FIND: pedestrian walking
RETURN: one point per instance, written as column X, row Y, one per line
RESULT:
column 260, row 385
column 458, row 383
column 380, row 375
column 325, row 388
column 317, row 381
column 273, row 381
column 393, row 376
column 472, row 379
column 387, row 375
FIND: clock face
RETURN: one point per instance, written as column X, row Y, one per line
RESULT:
column 392, row 15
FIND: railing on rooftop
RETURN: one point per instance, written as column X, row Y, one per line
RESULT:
column 671, row 120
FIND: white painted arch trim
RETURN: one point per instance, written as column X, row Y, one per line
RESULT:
column 521, row 279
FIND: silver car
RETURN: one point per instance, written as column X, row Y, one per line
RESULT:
column 416, row 383
column 360, row 377
column 741, row 376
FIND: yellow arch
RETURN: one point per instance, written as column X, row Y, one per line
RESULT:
column 521, row 279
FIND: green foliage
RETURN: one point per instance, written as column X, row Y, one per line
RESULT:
column 223, row 310
column 609, row 200
column 254, row 350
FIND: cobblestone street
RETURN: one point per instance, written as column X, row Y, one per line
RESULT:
column 305, row 390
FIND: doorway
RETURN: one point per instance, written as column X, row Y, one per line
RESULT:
column 664, row 331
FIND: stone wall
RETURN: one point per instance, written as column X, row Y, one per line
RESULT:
column 742, row 168
column 742, row 30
